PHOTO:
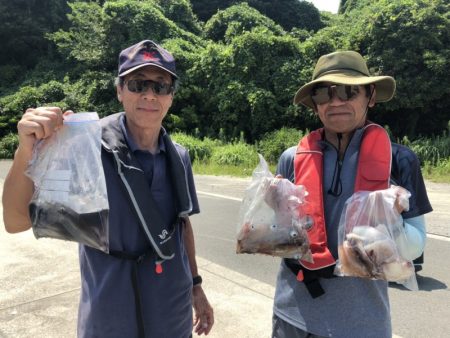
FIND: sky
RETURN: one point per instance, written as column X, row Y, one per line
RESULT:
column 326, row 5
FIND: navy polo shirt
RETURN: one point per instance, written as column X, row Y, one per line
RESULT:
column 107, row 306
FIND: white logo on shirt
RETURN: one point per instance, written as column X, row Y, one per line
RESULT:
column 164, row 233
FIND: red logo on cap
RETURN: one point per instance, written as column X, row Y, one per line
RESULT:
column 149, row 56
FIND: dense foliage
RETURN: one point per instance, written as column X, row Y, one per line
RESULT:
column 240, row 62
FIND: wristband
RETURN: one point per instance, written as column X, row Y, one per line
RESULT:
column 197, row 280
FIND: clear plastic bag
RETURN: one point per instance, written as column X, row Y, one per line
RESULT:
column 372, row 240
column 270, row 220
column 70, row 200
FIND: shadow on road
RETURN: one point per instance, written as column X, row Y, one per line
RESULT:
column 425, row 284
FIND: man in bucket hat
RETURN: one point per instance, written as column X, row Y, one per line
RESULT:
column 148, row 283
column 348, row 154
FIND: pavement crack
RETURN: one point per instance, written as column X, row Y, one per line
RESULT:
column 39, row 299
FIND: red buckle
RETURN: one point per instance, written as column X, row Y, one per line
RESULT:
column 300, row 275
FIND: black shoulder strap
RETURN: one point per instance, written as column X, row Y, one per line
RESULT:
column 136, row 185
column 144, row 205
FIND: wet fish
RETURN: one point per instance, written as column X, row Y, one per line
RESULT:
column 55, row 220
column 370, row 252
column 398, row 270
column 275, row 240
column 353, row 258
column 272, row 224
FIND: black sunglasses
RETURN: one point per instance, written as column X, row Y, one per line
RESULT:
column 321, row 95
column 141, row 86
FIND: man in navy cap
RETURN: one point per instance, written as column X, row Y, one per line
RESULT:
column 148, row 283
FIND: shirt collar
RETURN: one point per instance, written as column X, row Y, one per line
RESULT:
column 354, row 142
column 129, row 137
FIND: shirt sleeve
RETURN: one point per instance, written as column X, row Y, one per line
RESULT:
column 416, row 237
column 407, row 174
column 285, row 165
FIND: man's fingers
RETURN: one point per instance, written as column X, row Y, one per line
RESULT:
column 31, row 128
column 203, row 324
column 48, row 126
column 209, row 325
column 41, row 122
column 202, row 327
column 68, row 112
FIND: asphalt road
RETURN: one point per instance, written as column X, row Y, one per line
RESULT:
column 425, row 313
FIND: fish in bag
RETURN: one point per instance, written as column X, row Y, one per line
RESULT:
column 372, row 241
column 70, row 200
column 270, row 220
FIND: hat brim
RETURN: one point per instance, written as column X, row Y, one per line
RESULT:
column 128, row 71
column 385, row 86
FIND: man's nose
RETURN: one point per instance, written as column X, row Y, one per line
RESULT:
column 334, row 99
column 149, row 94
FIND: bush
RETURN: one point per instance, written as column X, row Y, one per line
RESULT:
column 8, row 145
column 439, row 172
column 235, row 154
column 29, row 96
column 274, row 143
column 198, row 150
column 432, row 150
column 93, row 91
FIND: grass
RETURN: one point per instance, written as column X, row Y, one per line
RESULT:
column 437, row 174
column 222, row 170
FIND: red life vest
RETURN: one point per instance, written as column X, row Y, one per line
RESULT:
column 374, row 168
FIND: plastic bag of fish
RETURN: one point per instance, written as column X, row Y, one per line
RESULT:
column 270, row 220
column 70, row 200
column 372, row 240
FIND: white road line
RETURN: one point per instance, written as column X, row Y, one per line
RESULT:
column 433, row 236
column 219, row 196
column 438, row 237
column 216, row 237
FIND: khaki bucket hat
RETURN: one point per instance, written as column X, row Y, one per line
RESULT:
column 347, row 68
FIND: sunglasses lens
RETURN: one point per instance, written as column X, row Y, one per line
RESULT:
column 323, row 95
column 346, row 93
column 141, row 86
column 135, row 86
column 161, row 88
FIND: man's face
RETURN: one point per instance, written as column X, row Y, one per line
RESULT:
column 145, row 109
column 344, row 116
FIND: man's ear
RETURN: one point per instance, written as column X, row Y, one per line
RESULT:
column 373, row 96
column 314, row 108
column 119, row 93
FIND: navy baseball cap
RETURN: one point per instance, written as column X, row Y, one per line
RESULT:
column 145, row 53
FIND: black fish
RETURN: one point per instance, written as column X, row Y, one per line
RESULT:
column 55, row 220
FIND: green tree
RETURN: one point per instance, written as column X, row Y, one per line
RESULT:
column 286, row 13
column 248, row 84
column 23, row 29
column 98, row 34
column 236, row 20
column 22, row 36
column 290, row 13
column 410, row 39
column 206, row 9
column 180, row 12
